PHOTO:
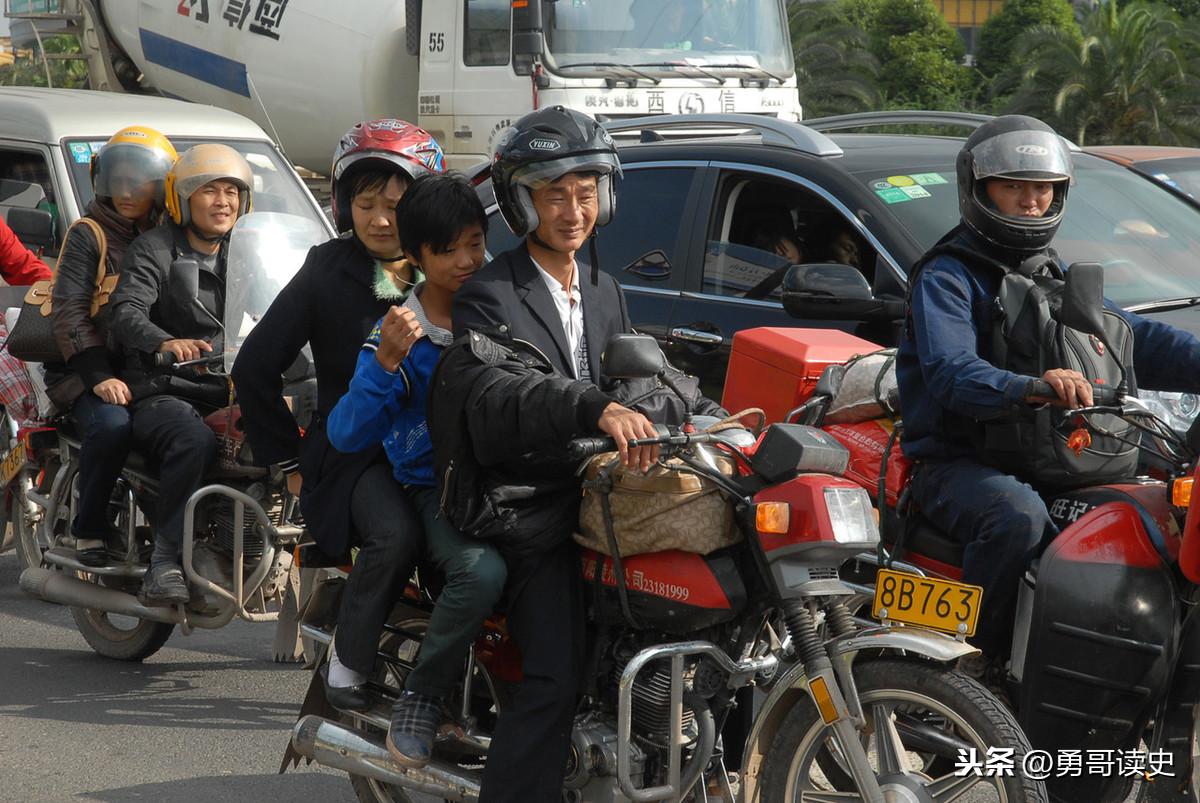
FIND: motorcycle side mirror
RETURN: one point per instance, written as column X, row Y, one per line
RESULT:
column 629, row 356
column 1083, row 299
column 183, row 283
column 831, row 291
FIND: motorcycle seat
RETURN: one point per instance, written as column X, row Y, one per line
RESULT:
column 923, row 538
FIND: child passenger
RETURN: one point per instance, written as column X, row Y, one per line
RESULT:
column 441, row 227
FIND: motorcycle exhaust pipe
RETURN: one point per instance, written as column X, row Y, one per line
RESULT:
column 68, row 590
column 336, row 746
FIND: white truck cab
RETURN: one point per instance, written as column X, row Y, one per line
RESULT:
column 48, row 136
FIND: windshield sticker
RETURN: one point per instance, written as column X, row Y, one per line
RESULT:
column 915, row 192
column 926, row 179
column 900, row 181
column 81, row 152
column 893, row 195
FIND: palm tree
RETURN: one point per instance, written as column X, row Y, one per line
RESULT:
column 835, row 71
column 1131, row 79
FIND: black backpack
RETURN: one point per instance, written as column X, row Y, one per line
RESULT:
column 1036, row 443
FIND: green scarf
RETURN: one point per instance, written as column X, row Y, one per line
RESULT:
column 386, row 288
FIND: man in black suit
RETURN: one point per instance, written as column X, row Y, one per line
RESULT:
column 553, row 177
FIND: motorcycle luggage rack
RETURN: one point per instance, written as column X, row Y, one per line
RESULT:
column 680, row 779
column 243, row 588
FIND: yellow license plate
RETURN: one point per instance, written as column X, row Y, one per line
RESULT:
column 926, row 601
column 13, row 462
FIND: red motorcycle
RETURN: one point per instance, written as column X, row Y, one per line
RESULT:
column 1106, row 648
column 852, row 710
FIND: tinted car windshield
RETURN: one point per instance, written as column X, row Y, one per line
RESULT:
column 276, row 187
column 1182, row 174
column 1146, row 238
column 750, row 33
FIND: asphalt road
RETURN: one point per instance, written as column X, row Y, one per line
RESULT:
column 205, row 719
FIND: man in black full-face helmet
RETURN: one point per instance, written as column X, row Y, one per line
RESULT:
column 554, row 176
column 1014, row 174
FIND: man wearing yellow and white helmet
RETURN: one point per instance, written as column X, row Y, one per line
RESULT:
column 170, row 299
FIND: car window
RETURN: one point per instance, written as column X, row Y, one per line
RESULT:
column 761, row 226
column 1183, row 174
column 643, row 244
column 24, row 168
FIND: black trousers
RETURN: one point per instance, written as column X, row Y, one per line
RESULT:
column 528, row 756
column 391, row 541
column 182, row 447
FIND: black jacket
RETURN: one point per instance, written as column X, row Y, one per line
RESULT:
column 149, row 307
column 507, row 382
column 90, row 357
column 331, row 305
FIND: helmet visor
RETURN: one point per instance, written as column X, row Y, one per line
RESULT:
column 1025, row 155
column 539, row 174
column 125, row 168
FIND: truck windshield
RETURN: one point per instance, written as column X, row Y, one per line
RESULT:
column 732, row 36
column 276, row 186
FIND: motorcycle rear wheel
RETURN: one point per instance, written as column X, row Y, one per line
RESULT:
column 940, row 708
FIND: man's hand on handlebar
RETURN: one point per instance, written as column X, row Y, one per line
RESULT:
column 185, row 349
column 623, row 425
column 1072, row 389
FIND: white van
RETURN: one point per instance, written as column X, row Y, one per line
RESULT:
column 48, row 136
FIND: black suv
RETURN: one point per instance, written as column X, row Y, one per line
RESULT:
column 686, row 246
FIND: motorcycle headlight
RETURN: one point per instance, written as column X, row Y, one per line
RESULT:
column 1177, row 409
column 851, row 515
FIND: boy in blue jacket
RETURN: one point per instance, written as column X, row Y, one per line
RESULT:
column 442, row 227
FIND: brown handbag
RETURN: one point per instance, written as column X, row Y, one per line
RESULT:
column 669, row 507
column 32, row 339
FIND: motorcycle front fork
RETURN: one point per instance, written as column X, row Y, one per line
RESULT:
column 831, row 687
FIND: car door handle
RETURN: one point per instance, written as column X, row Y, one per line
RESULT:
column 697, row 336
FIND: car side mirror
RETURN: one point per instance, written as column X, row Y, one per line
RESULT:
column 33, row 227
column 831, row 291
column 629, row 356
column 1083, row 299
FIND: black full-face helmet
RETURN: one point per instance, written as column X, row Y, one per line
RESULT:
column 542, row 147
column 1013, row 147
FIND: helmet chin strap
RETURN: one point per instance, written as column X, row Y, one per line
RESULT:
column 208, row 238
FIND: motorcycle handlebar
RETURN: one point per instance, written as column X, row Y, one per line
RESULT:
column 165, row 359
column 581, row 448
column 1102, row 395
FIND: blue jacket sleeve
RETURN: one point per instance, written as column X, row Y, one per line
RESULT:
column 363, row 416
column 1164, row 357
column 943, row 310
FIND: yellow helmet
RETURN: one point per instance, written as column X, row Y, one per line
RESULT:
column 148, row 152
column 198, row 166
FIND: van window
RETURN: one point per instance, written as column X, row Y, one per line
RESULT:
column 487, row 33
column 29, row 167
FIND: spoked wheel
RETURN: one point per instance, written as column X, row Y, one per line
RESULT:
column 919, row 717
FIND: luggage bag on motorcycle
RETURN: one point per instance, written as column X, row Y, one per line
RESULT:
column 672, row 591
column 668, row 507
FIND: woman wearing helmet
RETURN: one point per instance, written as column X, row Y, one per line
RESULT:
column 343, row 288
column 128, row 174
column 206, row 191
column 1014, row 174
column 554, row 176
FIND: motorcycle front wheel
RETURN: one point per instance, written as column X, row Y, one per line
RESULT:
column 919, row 716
